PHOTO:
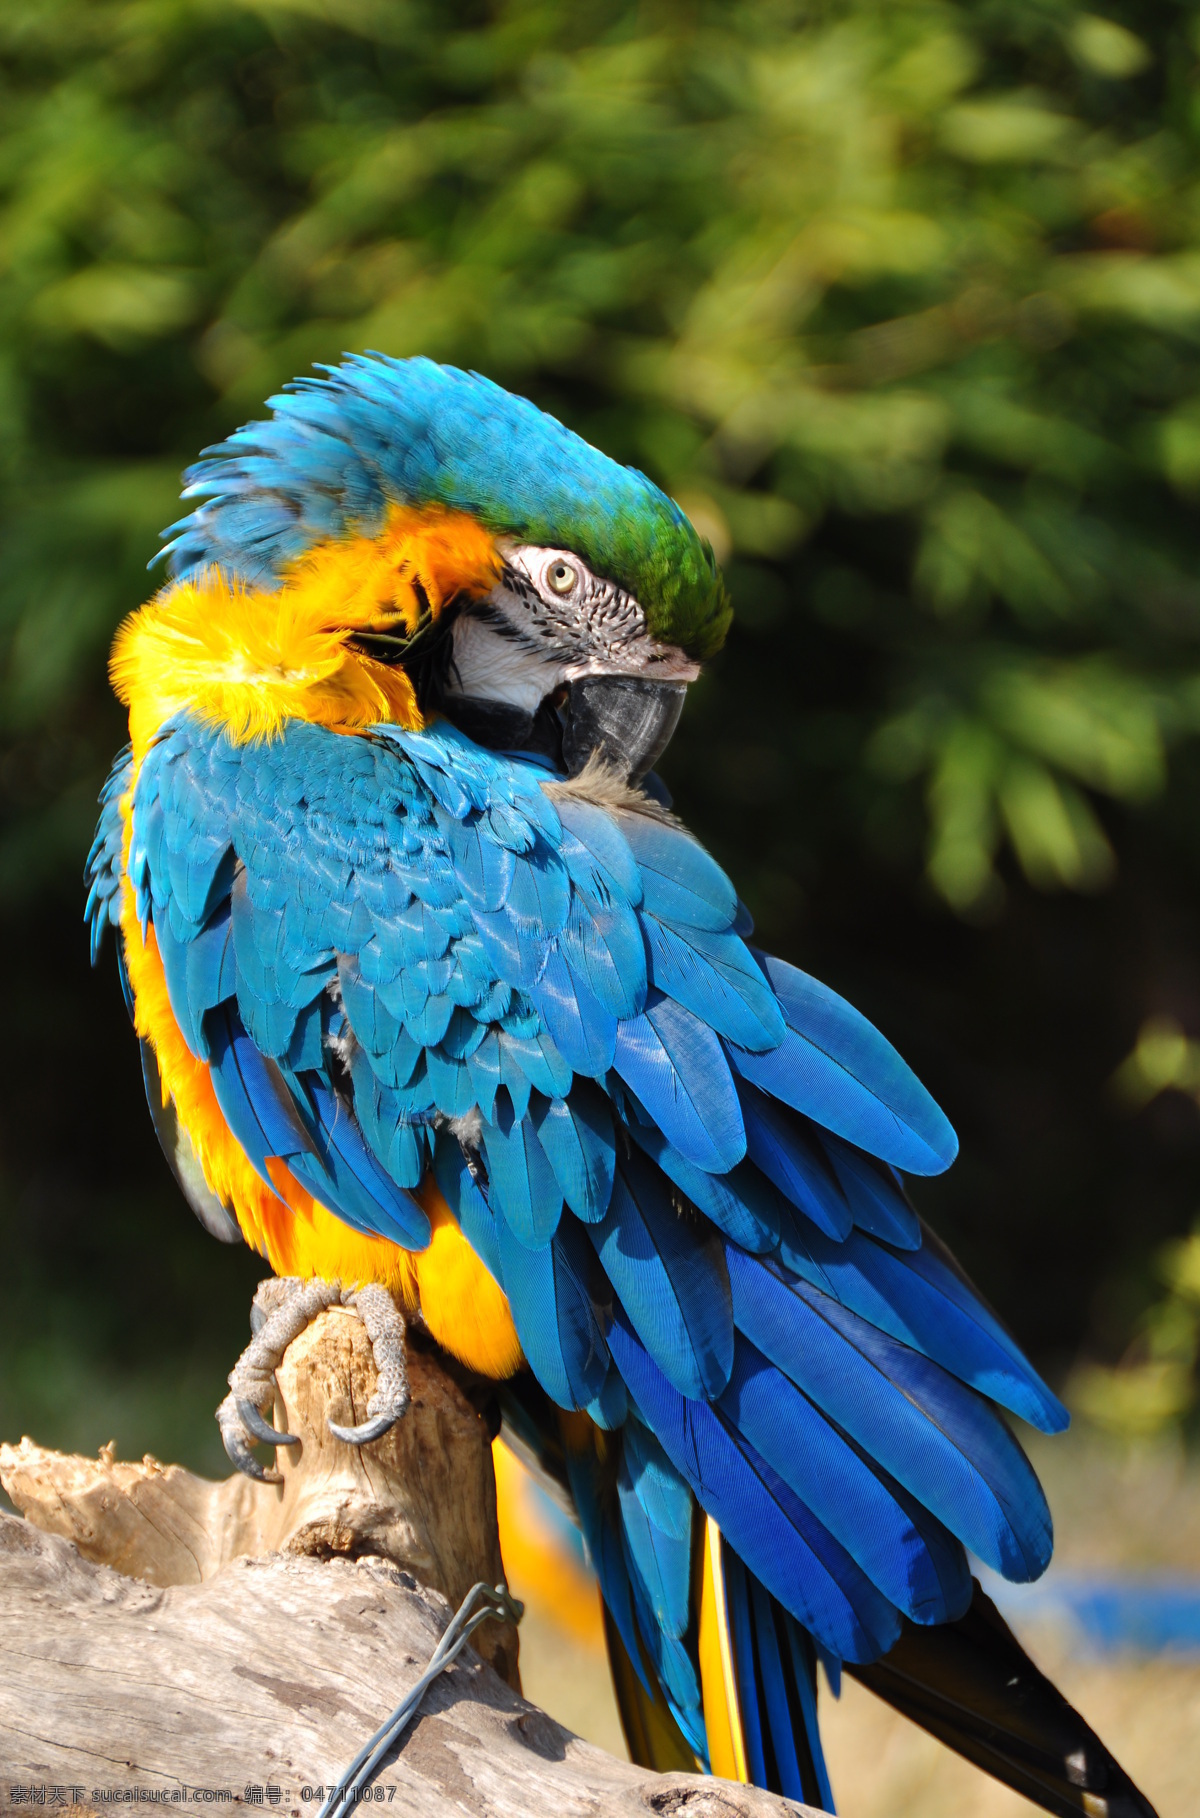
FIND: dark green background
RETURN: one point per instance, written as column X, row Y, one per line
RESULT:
column 902, row 300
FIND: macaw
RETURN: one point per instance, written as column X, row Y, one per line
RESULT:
column 446, row 1015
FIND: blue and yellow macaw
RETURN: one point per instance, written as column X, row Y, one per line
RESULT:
column 444, row 1013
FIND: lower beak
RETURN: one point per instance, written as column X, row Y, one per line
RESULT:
column 622, row 719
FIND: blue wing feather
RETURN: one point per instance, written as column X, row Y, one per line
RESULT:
column 574, row 979
column 927, row 1430
column 836, row 1068
column 550, row 1293
column 793, row 1159
column 584, row 1032
column 253, row 1098
column 712, row 976
column 576, row 1133
column 922, row 1301
column 771, row 1530
column 875, row 1200
column 468, row 1204
column 681, row 884
column 521, row 1183
column 347, row 1177
column 674, row 1064
column 604, row 948
column 670, row 1274
column 917, row 1566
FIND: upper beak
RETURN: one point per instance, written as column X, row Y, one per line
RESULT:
column 624, row 719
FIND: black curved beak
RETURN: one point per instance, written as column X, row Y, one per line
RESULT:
column 623, row 719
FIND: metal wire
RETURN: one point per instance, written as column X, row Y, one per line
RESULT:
column 499, row 1605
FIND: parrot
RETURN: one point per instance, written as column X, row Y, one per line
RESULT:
column 446, row 1015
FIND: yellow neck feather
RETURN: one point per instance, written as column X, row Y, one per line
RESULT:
column 250, row 660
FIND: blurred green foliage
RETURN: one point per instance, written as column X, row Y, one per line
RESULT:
column 1153, row 1388
column 933, row 264
column 900, row 298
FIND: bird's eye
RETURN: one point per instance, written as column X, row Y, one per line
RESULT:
column 562, row 577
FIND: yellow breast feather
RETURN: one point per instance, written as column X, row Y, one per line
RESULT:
column 249, row 659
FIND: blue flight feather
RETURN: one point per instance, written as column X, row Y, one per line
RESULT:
column 932, row 1434
column 765, row 1522
column 360, row 1185
column 670, row 1274
column 576, row 1133
column 836, row 1068
column 922, row 1300
column 877, row 1204
column 103, row 869
column 740, row 1616
column 549, row 1292
column 792, row 1158
column 742, row 1203
column 735, row 1003
column 921, row 1571
column 674, row 1064
column 251, row 1092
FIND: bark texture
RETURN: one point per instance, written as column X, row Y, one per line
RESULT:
column 168, row 1639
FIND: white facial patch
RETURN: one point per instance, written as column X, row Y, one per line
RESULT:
column 492, row 665
column 550, row 620
column 567, row 604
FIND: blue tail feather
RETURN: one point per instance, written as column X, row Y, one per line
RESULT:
column 800, row 1562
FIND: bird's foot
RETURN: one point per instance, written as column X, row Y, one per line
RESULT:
column 282, row 1308
column 385, row 1329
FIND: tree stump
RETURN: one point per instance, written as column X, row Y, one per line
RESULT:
column 171, row 1640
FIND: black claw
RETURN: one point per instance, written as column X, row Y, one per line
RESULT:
column 241, row 1455
column 259, row 1427
column 369, row 1430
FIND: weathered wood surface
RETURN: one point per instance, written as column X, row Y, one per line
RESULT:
column 423, row 1496
column 251, row 1637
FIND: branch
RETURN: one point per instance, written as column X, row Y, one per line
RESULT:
column 164, row 1633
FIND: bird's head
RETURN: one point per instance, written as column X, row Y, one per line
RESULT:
column 402, row 539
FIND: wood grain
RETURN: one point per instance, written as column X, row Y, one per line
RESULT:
column 167, row 1639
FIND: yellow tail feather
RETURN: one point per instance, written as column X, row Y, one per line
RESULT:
column 718, row 1684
